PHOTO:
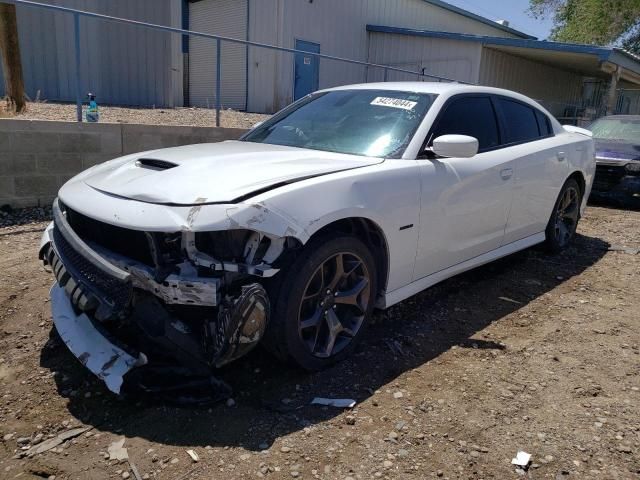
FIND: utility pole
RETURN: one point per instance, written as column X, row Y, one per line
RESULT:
column 11, row 61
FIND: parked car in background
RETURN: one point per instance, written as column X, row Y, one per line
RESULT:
column 617, row 139
column 349, row 199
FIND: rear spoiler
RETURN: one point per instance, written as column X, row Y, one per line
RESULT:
column 574, row 129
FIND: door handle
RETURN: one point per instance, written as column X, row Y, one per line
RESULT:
column 561, row 156
column 506, row 173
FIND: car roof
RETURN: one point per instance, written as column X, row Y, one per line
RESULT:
column 439, row 88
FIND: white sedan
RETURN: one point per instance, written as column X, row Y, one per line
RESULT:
column 350, row 199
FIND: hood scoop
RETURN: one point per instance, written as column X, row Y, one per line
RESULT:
column 155, row 164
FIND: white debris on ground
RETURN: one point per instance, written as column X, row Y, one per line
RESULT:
column 189, row 116
column 334, row 402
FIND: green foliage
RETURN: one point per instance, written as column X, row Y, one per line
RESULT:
column 599, row 22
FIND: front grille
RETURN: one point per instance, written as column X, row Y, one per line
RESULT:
column 129, row 243
column 91, row 282
column 607, row 176
column 109, row 290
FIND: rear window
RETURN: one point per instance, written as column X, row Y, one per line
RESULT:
column 519, row 122
column 473, row 116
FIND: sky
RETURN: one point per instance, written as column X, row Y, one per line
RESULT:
column 513, row 10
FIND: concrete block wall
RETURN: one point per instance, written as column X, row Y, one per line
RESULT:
column 37, row 157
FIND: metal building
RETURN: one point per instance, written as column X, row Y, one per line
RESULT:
column 129, row 65
column 123, row 64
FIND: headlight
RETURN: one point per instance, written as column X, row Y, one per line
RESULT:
column 632, row 167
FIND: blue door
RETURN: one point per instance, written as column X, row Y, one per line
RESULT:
column 306, row 69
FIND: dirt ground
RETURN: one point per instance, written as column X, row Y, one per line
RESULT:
column 535, row 352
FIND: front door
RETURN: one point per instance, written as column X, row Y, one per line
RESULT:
column 465, row 202
column 306, row 69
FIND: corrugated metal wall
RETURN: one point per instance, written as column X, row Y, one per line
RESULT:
column 340, row 28
column 227, row 18
column 553, row 87
column 122, row 64
column 454, row 59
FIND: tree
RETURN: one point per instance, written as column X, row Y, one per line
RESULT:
column 599, row 22
column 11, row 62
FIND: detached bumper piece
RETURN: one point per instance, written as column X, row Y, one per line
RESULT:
column 134, row 340
column 103, row 358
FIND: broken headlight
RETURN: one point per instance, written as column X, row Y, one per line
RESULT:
column 240, row 246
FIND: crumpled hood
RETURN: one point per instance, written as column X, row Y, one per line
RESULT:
column 214, row 172
column 617, row 149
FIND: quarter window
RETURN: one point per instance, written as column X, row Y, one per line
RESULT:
column 543, row 124
column 473, row 116
column 520, row 122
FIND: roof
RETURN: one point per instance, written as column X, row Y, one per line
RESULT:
column 478, row 18
column 611, row 54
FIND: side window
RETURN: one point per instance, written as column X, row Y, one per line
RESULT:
column 473, row 116
column 543, row 124
column 520, row 122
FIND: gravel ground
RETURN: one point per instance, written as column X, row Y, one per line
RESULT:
column 535, row 352
column 196, row 117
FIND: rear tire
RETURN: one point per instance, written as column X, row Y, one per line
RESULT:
column 322, row 303
column 561, row 229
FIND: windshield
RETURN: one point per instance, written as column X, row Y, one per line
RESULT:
column 624, row 129
column 376, row 123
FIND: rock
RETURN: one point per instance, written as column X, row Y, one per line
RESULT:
column 295, row 474
column 174, row 461
column 23, row 440
column 350, row 420
column 439, row 473
column 7, row 437
column 624, row 448
column 125, row 475
column 403, row 452
column 398, row 395
column 285, row 449
column 393, row 436
column 387, row 464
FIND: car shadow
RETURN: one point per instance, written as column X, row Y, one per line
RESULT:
column 272, row 399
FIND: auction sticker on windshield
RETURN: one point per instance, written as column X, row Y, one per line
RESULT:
column 394, row 103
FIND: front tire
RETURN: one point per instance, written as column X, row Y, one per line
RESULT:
column 561, row 229
column 323, row 302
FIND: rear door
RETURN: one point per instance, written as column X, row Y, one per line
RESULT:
column 465, row 201
column 541, row 166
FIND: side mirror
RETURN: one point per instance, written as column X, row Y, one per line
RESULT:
column 455, row 146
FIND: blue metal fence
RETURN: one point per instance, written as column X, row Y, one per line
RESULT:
column 189, row 33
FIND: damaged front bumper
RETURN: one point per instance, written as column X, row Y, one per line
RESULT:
column 89, row 344
column 119, row 317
